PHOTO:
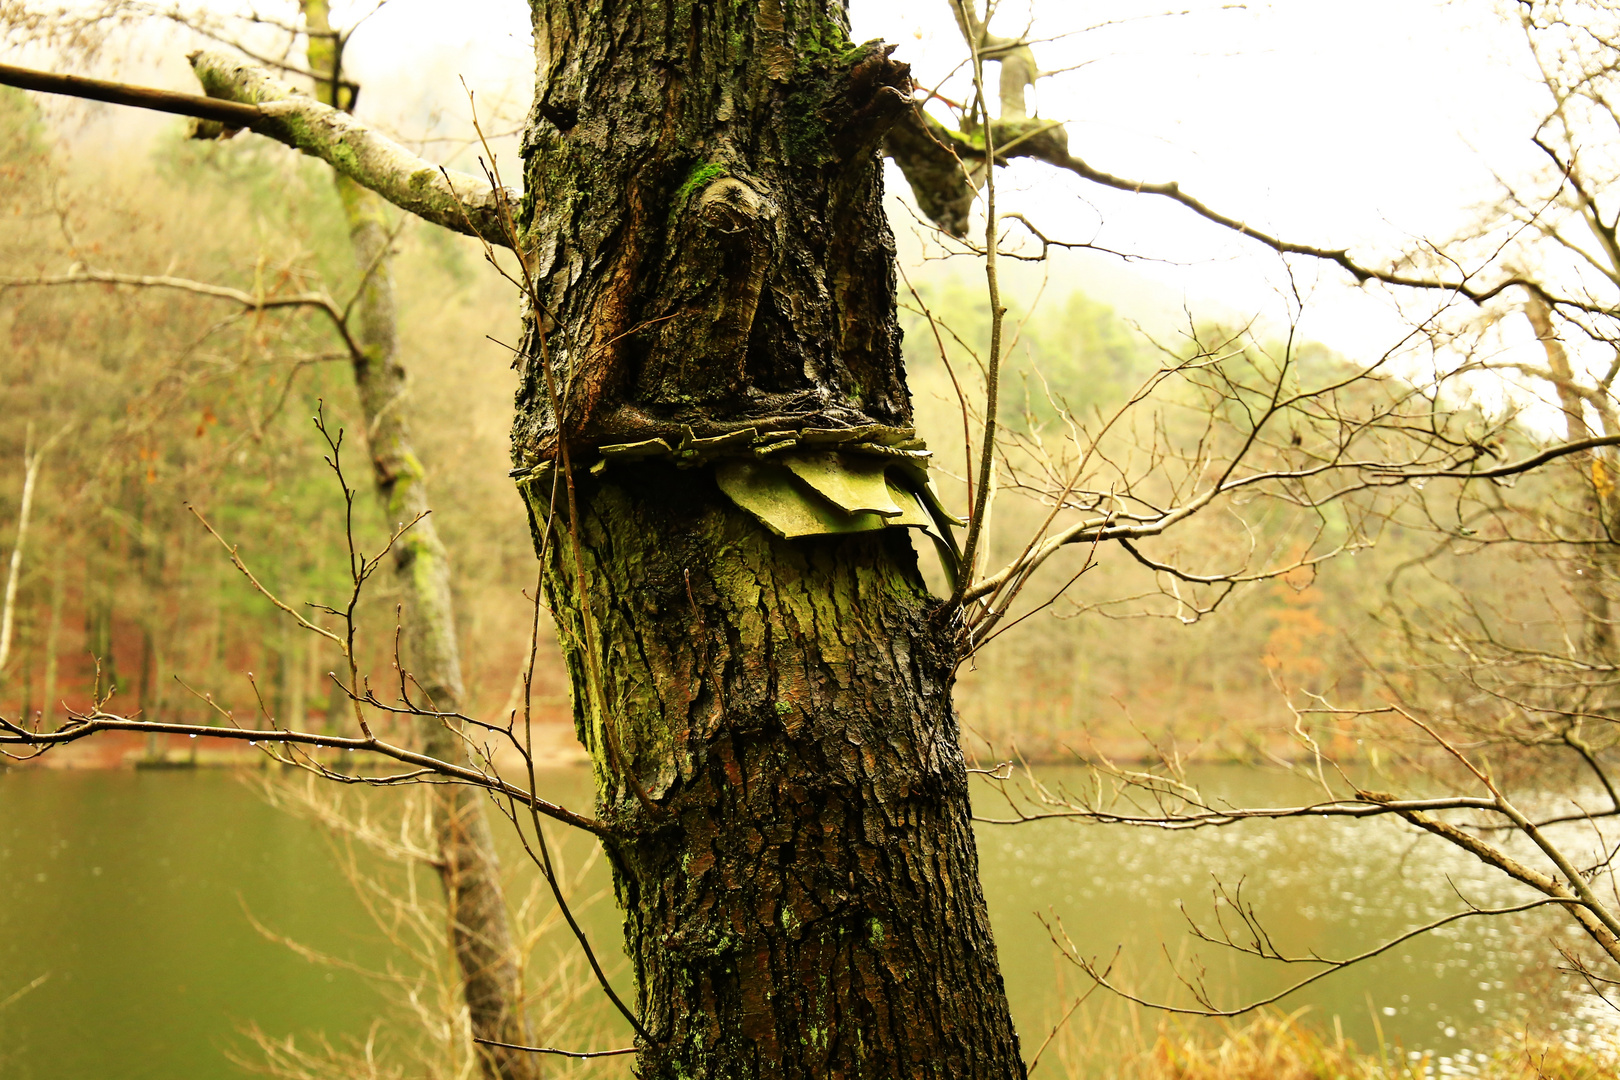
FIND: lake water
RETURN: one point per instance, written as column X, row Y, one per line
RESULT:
column 131, row 892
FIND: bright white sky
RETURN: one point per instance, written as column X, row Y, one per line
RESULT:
column 1360, row 123
column 1365, row 124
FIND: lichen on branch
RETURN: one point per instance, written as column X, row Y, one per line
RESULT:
column 457, row 201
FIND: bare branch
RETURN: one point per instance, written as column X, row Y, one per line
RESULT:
column 236, row 561
column 82, row 725
column 241, row 95
column 562, row 1053
column 231, row 113
column 1101, row 978
column 249, row 301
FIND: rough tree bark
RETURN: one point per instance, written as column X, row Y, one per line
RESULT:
column 480, row 932
column 770, row 718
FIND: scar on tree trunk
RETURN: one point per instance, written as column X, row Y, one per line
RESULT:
column 773, row 737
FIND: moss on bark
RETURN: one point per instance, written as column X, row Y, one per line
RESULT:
column 793, row 849
column 802, row 899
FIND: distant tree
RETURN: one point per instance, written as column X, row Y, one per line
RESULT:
column 480, row 930
column 479, row 933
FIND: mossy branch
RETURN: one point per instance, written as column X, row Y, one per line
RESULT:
column 457, row 201
column 244, row 95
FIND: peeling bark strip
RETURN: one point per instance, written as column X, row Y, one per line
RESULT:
column 801, row 889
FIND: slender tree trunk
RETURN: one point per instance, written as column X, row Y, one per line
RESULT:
column 99, row 623
column 143, row 684
column 1594, row 568
column 770, row 718
column 295, row 666
column 53, row 636
column 479, row 925
column 338, row 710
column 469, row 869
column 27, row 666
column 8, row 608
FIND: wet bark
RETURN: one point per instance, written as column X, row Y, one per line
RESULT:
column 794, row 853
column 702, row 214
column 480, row 933
column 802, row 900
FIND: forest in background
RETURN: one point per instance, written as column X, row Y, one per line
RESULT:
column 171, row 399
column 167, row 400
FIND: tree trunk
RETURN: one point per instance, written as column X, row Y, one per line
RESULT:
column 770, row 718
column 469, row 869
column 99, row 624
column 53, row 636
column 479, row 926
column 1594, row 569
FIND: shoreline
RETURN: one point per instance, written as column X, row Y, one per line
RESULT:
column 555, row 747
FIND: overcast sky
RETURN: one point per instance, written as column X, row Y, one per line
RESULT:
column 1365, row 124
column 1361, row 123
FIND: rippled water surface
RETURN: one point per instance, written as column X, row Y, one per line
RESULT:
column 130, row 892
column 1329, row 888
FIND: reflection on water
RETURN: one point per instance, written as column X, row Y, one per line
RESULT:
column 128, row 889
column 131, row 891
column 1335, row 888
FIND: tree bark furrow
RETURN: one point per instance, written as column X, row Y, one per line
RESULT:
column 801, row 899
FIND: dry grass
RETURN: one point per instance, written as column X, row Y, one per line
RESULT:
column 383, row 843
column 1276, row 1046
